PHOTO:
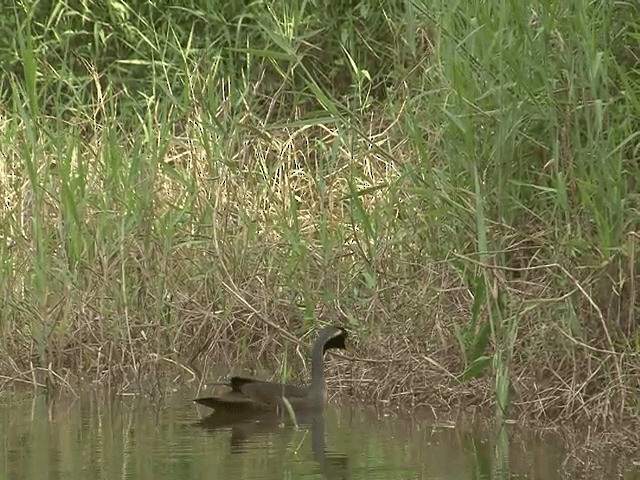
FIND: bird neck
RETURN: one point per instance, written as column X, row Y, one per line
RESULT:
column 317, row 368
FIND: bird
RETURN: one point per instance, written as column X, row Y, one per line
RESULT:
column 249, row 396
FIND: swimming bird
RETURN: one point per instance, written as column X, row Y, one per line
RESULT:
column 255, row 396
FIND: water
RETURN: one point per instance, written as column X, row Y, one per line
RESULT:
column 131, row 438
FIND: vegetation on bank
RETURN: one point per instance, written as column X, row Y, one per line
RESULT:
column 457, row 182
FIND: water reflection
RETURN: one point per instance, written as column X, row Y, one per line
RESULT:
column 137, row 438
column 246, row 433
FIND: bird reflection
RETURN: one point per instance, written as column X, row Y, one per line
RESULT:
column 332, row 465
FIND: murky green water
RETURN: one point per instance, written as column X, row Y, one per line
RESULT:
column 128, row 438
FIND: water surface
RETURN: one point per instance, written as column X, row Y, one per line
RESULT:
column 137, row 438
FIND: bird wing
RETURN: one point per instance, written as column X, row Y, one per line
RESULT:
column 267, row 393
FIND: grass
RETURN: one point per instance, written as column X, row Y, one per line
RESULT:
column 456, row 182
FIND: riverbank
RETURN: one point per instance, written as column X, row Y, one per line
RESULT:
column 458, row 187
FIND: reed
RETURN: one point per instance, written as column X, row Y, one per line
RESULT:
column 459, row 178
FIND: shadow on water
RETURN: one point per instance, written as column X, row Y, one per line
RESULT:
column 243, row 430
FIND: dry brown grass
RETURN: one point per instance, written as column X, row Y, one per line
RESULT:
column 242, row 250
column 229, row 278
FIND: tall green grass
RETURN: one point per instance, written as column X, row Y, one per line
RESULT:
column 462, row 175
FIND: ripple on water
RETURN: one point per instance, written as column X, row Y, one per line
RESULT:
column 134, row 439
